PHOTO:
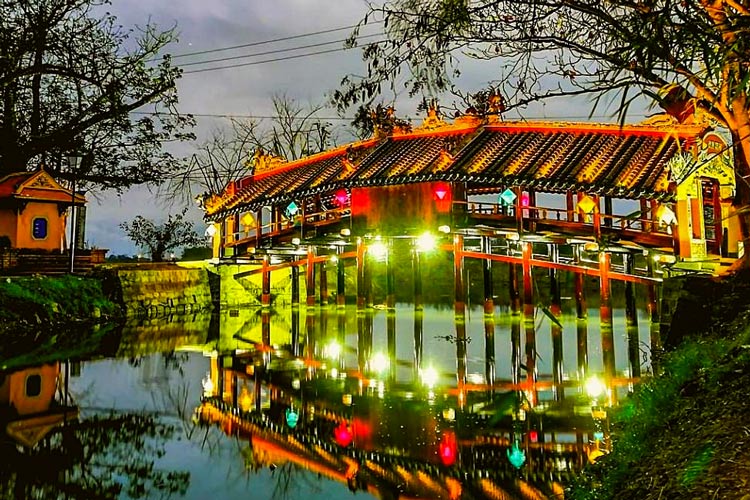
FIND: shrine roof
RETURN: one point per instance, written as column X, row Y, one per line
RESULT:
column 38, row 186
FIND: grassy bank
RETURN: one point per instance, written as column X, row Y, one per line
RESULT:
column 42, row 300
column 684, row 434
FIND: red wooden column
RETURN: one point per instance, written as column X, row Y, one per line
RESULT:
column 340, row 281
column 519, row 210
column 310, row 276
column 265, row 293
column 528, row 314
column 605, row 316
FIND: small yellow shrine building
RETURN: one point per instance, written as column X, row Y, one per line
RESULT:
column 33, row 210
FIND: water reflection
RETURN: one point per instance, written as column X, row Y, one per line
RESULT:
column 326, row 401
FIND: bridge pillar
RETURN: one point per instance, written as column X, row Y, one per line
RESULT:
column 528, row 314
column 489, row 350
column 597, row 219
column 518, row 207
column 361, row 293
column 295, row 329
column 513, row 290
column 605, row 317
column 608, row 211
column 295, row 285
column 515, row 349
column 653, row 312
column 582, row 352
column 631, row 320
column 364, row 341
column 265, row 292
column 416, row 266
column 556, row 330
column 323, row 269
column 418, row 340
column 310, row 276
column 489, row 301
column 569, row 206
column 390, row 327
column 340, row 281
column 459, row 287
column 390, row 279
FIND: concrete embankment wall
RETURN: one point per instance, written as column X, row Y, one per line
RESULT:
column 168, row 288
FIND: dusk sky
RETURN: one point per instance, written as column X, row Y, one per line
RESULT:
column 247, row 90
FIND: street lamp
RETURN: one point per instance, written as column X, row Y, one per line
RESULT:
column 73, row 162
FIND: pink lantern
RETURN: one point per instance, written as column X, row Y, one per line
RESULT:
column 341, row 197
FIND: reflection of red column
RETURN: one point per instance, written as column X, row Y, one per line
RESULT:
column 265, row 298
column 310, row 277
column 528, row 313
column 323, row 284
column 582, row 352
column 360, row 274
column 605, row 316
column 459, row 293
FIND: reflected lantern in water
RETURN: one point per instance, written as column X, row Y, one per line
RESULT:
column 343, row 435
column 291, row 418
column 448, row 449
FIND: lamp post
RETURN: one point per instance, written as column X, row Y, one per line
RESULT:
column 73, row 162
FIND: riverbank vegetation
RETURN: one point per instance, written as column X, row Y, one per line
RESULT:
column 47, row 300
column 683, row 434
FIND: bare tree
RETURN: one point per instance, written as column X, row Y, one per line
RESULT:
column 686, row 55
column 294, row 131
column 69, row 81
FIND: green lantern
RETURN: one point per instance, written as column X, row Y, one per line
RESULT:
column 516, row 455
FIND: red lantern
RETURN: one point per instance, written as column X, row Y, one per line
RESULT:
column 525, row 200
column 343, row 435
column 441, row 191
column 342, row 197
column 448, row 449
column 533, row 436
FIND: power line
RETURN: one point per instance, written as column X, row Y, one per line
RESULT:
column 275, row 51
column 232, row 115
column 264, row 42
column 265, row 61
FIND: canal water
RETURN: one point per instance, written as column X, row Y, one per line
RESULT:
column 323, row 402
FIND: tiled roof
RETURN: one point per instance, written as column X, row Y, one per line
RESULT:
column 628, row 161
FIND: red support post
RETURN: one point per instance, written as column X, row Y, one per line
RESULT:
column 265, row 297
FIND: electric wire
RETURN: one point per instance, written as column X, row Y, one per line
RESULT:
column 275, row 51
column 265, row 42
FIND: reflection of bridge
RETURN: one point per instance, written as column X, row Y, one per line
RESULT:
column 398, row 440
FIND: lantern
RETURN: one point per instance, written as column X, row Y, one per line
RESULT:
column 343, row 435
column 448, row 449
column 291, row 418
column 441, row 191
column 342, row 197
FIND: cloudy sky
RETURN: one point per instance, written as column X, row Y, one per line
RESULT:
column 247, row 90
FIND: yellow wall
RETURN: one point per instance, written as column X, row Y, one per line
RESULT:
column 55, row 226
column 8, row 225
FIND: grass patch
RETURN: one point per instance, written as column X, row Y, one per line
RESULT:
column 43, row 300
